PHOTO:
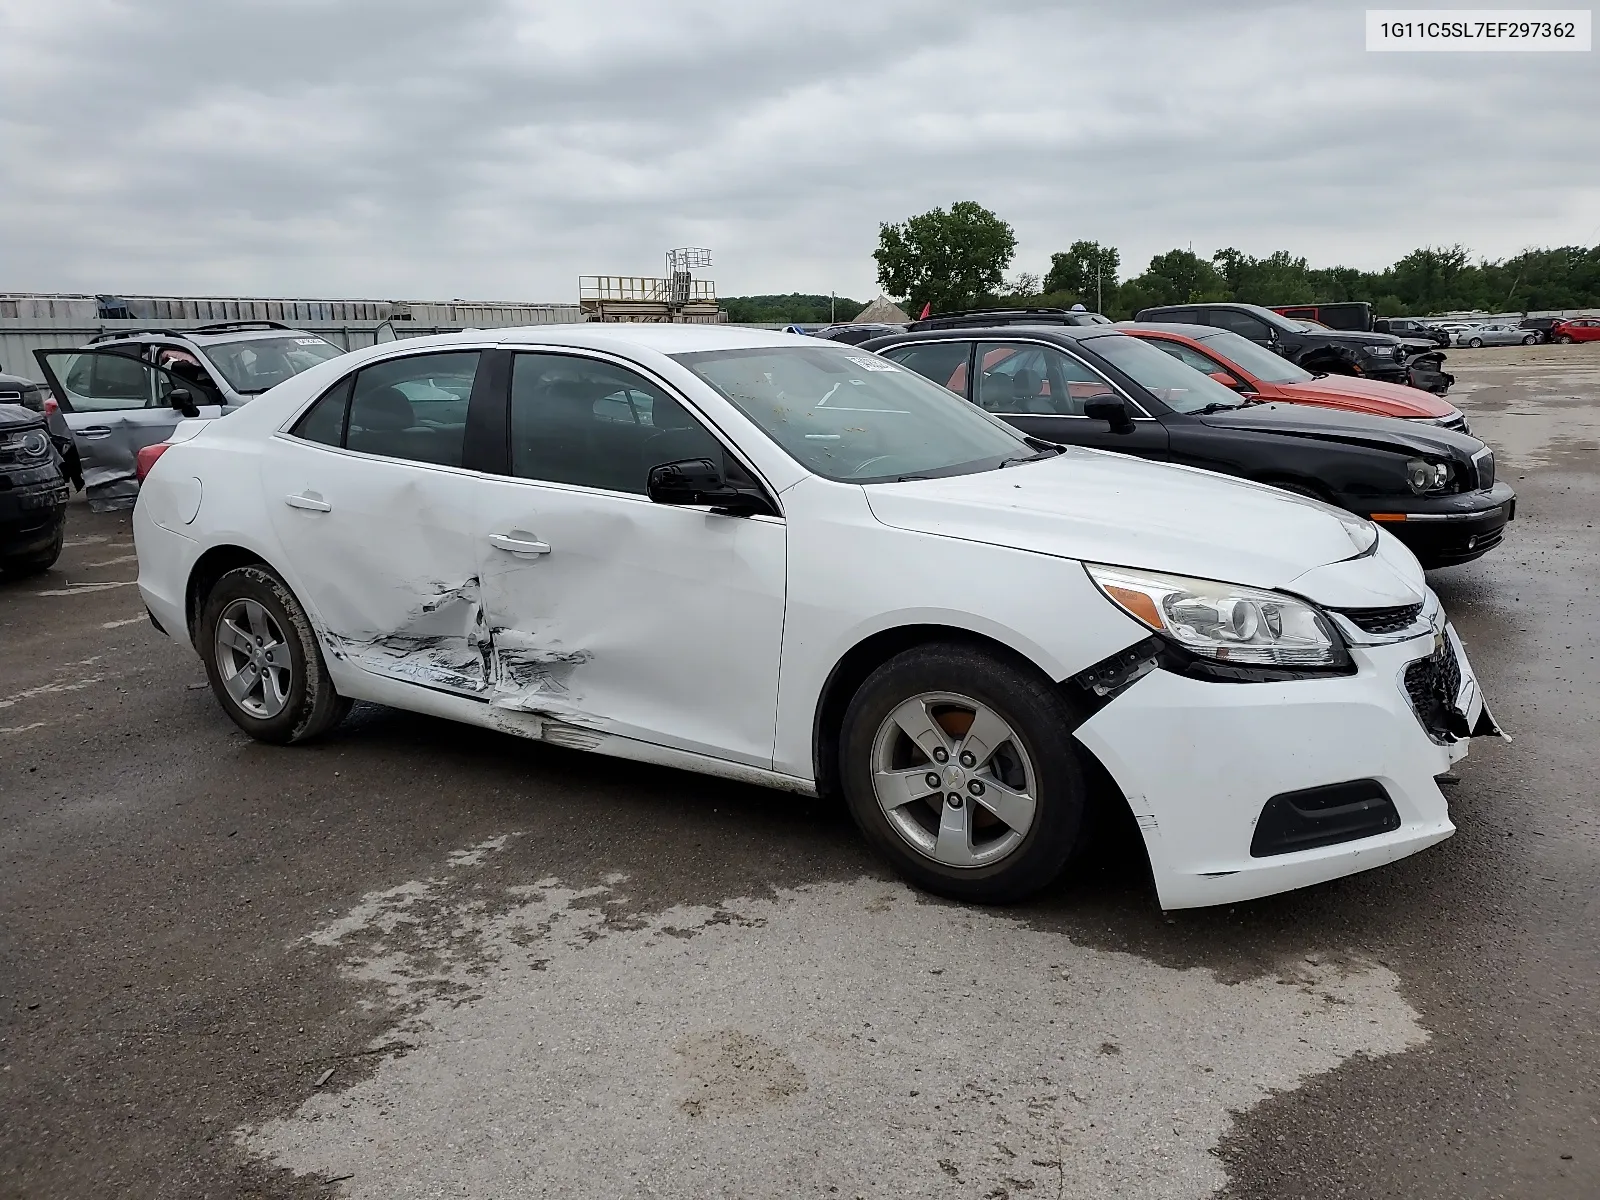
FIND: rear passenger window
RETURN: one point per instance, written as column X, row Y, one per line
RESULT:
column 588, row 422
column 943, row 362
column 324, row 422
column 413, row 408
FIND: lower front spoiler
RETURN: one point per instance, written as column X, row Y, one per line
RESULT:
column 1199, row 761
column 1462, row 529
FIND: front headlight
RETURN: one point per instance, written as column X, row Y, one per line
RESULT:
column 1425, row 476
column 1385, row 351
column 32, row 444
column 1224, row 621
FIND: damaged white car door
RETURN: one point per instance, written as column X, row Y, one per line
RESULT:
column 368, row 494
column 609, row 613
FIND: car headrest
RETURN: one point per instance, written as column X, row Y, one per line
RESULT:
column 1025, row 383
column 382, row 408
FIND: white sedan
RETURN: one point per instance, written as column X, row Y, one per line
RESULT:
column 790, row 562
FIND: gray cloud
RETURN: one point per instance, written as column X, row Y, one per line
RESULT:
column 499, row 148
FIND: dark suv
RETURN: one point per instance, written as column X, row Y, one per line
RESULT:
column 1411, row 327
column 1321, row 351
column 33, row 492
column 983, row 318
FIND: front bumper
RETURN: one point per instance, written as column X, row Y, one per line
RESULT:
column 1198, row 763
column 1451, row 529
column 31, row 515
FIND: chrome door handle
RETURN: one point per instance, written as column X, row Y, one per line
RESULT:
column 95, row 431
column 515, row 545
column 311, row 503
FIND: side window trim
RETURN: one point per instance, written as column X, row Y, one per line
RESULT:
column 644, row 372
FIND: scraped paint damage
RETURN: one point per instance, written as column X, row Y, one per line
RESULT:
column 445, row 641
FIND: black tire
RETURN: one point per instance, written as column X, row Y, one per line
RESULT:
column 1565, row 339
column 1530, row 339
column 312, row 705
column 1040, row 717
column 1475, row 343
column 38, row 562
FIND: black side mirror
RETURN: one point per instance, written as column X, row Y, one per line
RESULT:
column 182, row 400
column 1110, row 409
column 694, row 481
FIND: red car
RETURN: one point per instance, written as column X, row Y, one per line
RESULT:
column 1253, row 370
column 1579, row 329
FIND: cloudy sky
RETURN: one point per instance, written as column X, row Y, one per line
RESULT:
column 497, row 149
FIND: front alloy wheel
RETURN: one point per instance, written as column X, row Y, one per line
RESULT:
column 953, row 779
column 959, row 765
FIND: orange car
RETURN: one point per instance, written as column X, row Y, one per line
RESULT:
column 1253, row 370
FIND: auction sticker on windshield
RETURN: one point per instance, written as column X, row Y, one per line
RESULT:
column 871, row 364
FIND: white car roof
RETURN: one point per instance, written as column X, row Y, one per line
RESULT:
column 661, row 337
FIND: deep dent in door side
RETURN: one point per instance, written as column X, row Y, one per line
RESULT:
column 445, row 641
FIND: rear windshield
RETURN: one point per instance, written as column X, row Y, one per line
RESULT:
column 260, row 363
column 849, row 415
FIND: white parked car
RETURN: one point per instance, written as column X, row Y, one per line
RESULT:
column 791, row 562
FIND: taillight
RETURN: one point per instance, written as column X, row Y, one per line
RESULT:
column 146, row 458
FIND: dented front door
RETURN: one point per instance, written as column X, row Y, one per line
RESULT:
column 610, row 614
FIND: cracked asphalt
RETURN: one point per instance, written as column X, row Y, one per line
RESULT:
column 537, row 972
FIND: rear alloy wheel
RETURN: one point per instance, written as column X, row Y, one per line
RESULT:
column 1565, row 339
column 960, row 768
column 263, row 661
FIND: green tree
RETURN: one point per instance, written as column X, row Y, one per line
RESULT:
column 1086, row 271
column 796, row 307
column 1431, row 279
column 945, row 259
column 1181, row 276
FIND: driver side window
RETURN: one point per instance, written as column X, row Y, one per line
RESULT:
column 589, row 422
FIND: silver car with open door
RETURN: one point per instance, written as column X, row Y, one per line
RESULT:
column 115, row 405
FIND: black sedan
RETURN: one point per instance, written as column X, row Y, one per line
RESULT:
column 1094, row 386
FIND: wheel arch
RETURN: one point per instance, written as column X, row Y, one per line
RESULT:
column 1279, row 477
column 210, row 567
column 1110, row 806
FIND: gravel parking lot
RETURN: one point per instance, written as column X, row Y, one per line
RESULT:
column 535, row 972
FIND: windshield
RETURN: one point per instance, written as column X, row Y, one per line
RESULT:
column 1257, row 360
column 850, row 415
column 260, row 363
column 1181, row 388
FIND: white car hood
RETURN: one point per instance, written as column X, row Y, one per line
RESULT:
column 1102, row 507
